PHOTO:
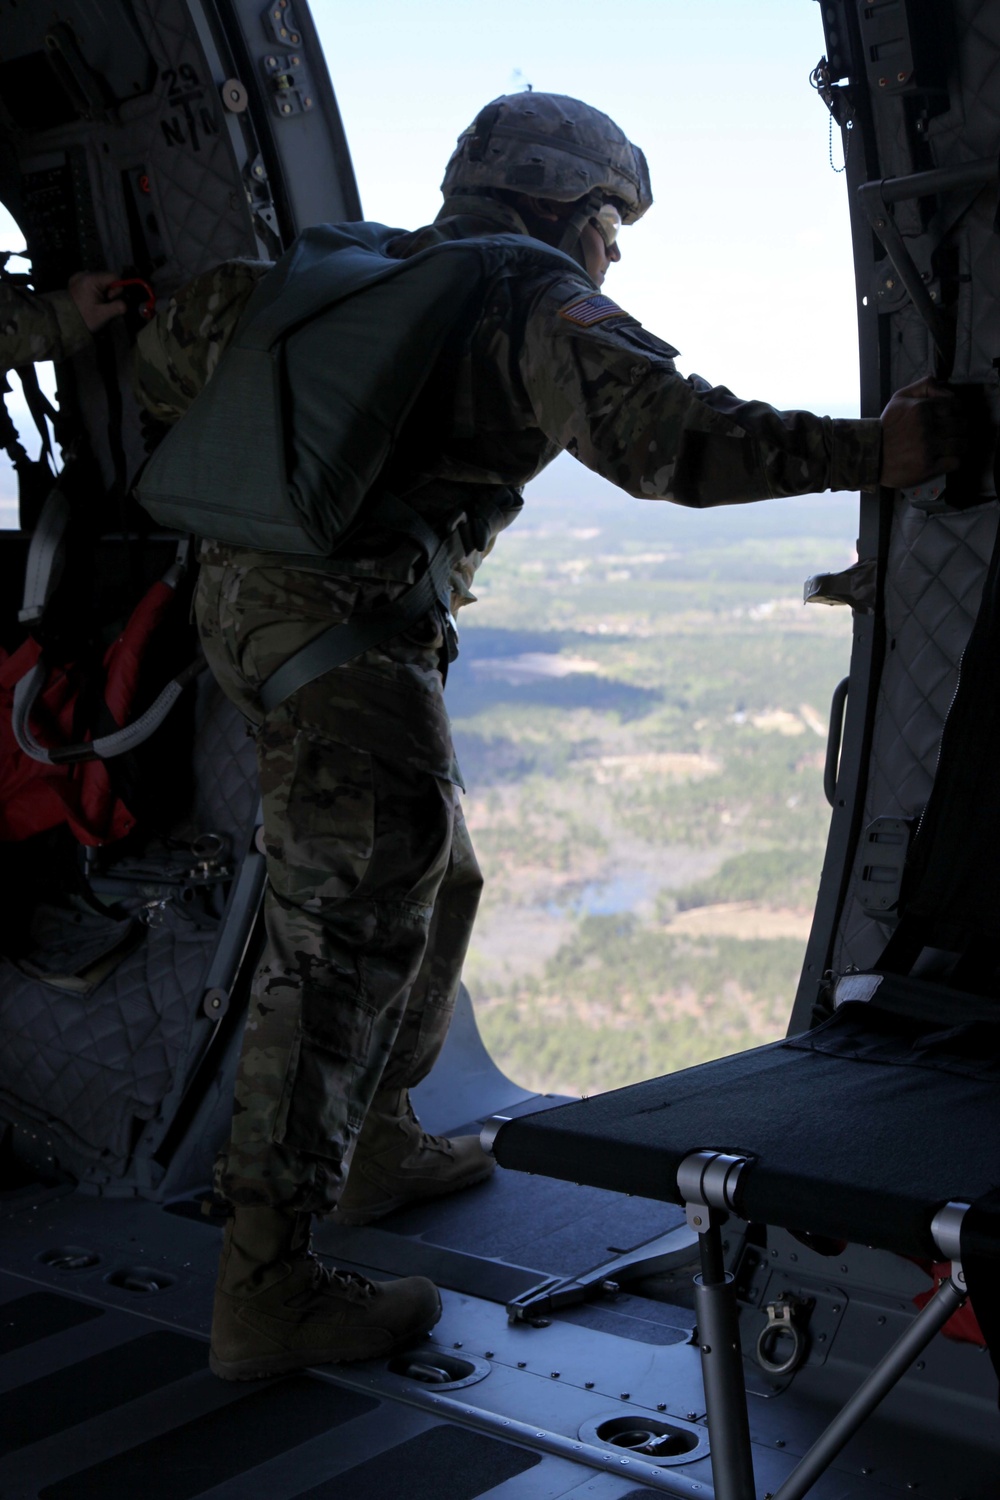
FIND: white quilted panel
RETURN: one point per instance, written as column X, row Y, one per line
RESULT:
column 937, row 565
column 91, row 1066
column 937, row 568
column 94, row 1069
column 195, row 181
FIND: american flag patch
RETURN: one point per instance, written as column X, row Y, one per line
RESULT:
column 593, row 309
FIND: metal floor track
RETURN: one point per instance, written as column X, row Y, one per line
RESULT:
column 105, row 1390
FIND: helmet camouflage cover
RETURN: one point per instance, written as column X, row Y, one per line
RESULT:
column 549, row 146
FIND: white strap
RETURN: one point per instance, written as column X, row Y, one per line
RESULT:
column 46, row 557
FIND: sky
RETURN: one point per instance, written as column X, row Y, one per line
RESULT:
column 744, row 260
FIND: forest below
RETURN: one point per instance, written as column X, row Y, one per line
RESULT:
column 640, row 710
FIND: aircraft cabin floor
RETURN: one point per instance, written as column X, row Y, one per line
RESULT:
column 105, row 1390
column 104, row 1312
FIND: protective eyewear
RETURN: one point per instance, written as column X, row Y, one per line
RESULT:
column 607, row 221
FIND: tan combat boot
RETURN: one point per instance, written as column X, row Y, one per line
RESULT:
column 278, row 1308
column 396, row 1162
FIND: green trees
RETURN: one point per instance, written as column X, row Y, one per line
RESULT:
column 642, row 732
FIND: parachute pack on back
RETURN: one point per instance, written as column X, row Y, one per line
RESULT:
column 286, row 443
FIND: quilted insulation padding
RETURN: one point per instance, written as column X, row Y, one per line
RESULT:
column 182, row 141
column 89, row 1067
column 937, row 565
column 962, row 222
column 95, row 1069
column 969, row 131
column 970, row 128
column 934, row 583
column 225, row 766
column 191, row 154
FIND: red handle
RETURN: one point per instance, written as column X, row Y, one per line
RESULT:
column 148, row 308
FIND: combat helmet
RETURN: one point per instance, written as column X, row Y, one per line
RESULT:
column 550, row 146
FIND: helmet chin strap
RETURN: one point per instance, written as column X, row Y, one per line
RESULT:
column 569, row 241
column 569, row 230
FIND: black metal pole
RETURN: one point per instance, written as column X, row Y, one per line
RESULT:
column 939, row 180
column 886, row 1373
column 722, row 1370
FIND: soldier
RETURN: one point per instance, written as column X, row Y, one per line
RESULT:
column 373, row 884
column 54, row 325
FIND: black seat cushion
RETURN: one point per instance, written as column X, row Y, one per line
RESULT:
column 860, row 1129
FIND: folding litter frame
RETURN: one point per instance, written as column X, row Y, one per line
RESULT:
column 837, row 1131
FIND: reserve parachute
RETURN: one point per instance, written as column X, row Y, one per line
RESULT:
column 283, row 449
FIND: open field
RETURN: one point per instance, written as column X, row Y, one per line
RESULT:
column 640, row 711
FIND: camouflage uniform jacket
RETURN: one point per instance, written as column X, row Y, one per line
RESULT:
column 36, row 327
column 549, row 364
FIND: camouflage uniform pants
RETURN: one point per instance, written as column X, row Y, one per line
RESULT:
column 372, row 881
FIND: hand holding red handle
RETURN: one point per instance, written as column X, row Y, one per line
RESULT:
column 148, row 308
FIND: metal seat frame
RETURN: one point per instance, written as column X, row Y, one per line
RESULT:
column 708, row 1182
